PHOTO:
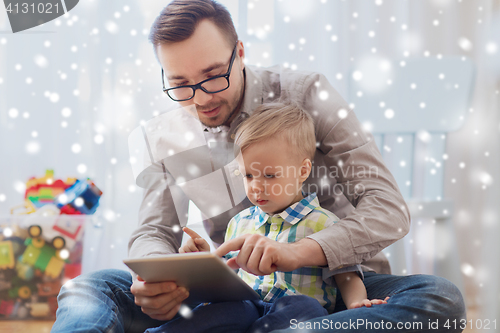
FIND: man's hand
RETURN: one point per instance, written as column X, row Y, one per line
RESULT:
column 195, row 243
column 260, row 255
column 161, row 300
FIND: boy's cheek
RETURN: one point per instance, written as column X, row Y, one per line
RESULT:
column 245, row 185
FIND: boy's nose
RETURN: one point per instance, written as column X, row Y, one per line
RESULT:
column 256, row 186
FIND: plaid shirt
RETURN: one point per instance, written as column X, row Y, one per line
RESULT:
column 298, row 221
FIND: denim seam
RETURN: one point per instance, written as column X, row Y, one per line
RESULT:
column 115, row 308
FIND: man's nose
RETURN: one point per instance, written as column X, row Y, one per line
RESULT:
column 201, row 98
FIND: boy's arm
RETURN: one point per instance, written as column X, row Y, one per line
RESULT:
column 353, row 291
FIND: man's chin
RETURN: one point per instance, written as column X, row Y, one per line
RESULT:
column 212, row 122
column 216, row 121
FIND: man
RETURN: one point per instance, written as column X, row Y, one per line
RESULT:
column 203, row 65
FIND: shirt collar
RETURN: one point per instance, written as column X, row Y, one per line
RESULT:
column 217, row 129
column 253, row 96
column 292, row 214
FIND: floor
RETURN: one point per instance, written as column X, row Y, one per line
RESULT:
column 26, row 326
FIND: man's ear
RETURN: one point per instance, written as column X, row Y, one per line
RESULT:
column 240, row 49
column 305, row 169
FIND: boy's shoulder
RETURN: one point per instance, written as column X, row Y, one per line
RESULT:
column 311, row 210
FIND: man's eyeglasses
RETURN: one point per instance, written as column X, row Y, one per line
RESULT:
column 210, row 86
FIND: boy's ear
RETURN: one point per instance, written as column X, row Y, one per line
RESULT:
column 305, row 169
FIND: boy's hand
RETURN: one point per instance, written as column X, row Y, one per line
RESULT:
column 368, row 303
column 160, row 300
column 195, row 243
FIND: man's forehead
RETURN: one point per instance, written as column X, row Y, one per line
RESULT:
column 207, row 69
column 207, row 47
column 181, row 63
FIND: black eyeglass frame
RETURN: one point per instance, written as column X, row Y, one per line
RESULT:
column 198, row 85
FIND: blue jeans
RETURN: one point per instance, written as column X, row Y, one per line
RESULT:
column 102, row 302
column 245, row 316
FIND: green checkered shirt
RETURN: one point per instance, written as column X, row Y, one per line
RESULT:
column 298, row 221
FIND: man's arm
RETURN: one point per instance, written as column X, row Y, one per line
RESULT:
column 159, row 229
column 156, row 235
column 381, row 216
column 308, row 253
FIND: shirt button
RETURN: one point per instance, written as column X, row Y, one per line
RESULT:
column 232, row 136
column 236, row 172
column 275, row 227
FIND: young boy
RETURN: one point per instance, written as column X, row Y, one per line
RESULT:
column 275, row 148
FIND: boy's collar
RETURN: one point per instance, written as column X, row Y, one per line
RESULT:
column 292, row 214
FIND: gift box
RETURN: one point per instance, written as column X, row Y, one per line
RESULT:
column 41, row 245
column 38, row 254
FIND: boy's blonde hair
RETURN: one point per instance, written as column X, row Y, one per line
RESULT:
column 273, row 120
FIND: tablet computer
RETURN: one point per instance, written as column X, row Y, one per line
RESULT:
column 206, row 276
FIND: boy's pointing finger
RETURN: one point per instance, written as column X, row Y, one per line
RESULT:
column 191, row 232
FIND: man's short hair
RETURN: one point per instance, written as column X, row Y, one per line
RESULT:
column 277, row 120
column 178, row 21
